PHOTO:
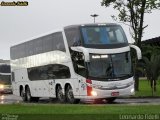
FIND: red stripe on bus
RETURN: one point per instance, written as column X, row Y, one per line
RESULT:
column 89, row 88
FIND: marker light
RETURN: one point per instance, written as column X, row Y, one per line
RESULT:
column 132, row 90
column 93, row 93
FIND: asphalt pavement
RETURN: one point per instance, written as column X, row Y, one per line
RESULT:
column 10, row 99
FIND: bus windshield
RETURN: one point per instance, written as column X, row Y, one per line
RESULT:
column 103, row 35
column 110, row 67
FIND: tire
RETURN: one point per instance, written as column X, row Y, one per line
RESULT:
column 59, row 94
column 28, row 94
column 29, row 97
column 70, row 96
column 110, row 100
column 23, row 95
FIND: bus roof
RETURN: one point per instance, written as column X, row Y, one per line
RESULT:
column 35, row 37
column 59, row 30
column 90, row 24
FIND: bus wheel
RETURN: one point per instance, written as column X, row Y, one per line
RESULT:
column 110, row 100
column 23, row 95
column 69, row 95
column 60, row 95
column 28, row 95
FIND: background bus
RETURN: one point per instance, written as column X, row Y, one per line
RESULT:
column 5, row 77
column 90, row 61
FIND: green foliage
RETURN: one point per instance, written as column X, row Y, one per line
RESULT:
column 148, row 50
column 151, row 64
column 79, row 109
column 145, row 89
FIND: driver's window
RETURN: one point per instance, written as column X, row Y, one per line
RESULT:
column 79, row 63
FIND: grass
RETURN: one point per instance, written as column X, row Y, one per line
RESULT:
column 76, row 112
column 83, row 111
column 145, row 89
column 78, row 109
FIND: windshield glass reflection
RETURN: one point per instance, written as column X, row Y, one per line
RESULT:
column 110, row 66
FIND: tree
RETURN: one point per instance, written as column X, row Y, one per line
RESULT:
column 132, row 12
column 151, row 64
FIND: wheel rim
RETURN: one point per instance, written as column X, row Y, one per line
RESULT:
column 22, row 95
column 70, row 95
column 60, row 95
column 28, row 95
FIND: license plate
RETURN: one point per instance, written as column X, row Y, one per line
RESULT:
column 115, row 94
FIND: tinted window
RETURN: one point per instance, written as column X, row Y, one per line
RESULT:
column 29, row 48
column 109, row 67
column 48, row 43
column 43, row 44
column 46, row 72
column 22, row 52
column 38, row 46
column 13, row 52
column 100, row 35
column 18, row 51
column 4, row 68
column 58, row 43
column 79, row 63
column 73, row 36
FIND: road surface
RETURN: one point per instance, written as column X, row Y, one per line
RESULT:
column 9, row 99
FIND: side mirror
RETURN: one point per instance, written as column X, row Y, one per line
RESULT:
column 84, row 51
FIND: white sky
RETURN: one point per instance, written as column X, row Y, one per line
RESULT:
column 20, row 23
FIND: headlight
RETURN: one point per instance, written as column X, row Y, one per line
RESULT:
column 1, row 86
column 93, row 93
column 132, row 90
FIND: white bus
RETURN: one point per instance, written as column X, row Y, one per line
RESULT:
column 87, row 61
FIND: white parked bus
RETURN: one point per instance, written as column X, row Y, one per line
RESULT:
column 87, row 61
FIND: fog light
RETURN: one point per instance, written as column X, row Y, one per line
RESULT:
column 93, row 93
column 132, row 90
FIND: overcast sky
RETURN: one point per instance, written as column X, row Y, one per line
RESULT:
column 20, row 23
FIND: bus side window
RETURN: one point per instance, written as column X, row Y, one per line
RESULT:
column 78, row 63
column 73, row 36
column 52, row 71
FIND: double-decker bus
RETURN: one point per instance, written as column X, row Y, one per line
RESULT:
column 87, row 61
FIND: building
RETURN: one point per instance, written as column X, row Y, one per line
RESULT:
column 153, row 41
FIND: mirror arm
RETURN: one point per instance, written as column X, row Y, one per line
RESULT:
column 84, row 51
column 138, row 51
